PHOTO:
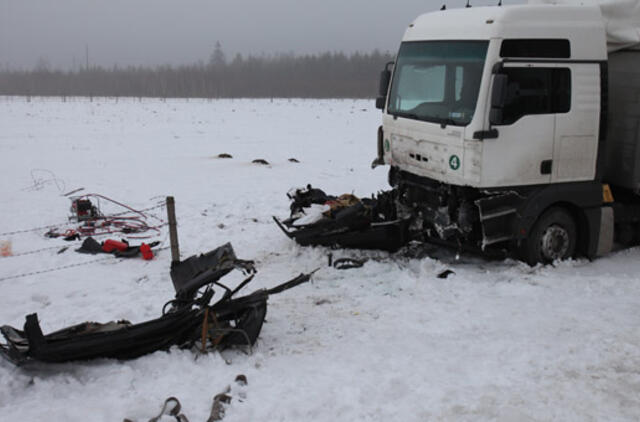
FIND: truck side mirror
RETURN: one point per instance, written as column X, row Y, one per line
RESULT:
column 498, row 98
column 385, row 78
column 379, row 160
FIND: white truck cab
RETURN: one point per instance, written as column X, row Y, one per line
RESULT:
column 498, row 129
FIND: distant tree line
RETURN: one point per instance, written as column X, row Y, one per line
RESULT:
column 327, row 75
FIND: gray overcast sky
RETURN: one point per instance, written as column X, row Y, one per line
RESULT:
column 150, row 32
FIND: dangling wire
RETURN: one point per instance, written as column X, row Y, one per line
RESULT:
column 131, row 222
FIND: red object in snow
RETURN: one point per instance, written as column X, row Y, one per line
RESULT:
column 146, row 251
column 111, row 245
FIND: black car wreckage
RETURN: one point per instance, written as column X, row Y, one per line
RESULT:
column 188, row 320
column 347, row 221
column 389, row 220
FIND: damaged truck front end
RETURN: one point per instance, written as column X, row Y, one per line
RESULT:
column 463, row 217
column 416, row 209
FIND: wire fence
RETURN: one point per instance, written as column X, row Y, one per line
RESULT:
column 53, row 226
column 64, row 267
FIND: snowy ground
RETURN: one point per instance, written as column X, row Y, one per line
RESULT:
column 389, row 341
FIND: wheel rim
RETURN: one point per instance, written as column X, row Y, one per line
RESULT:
column 554, row 242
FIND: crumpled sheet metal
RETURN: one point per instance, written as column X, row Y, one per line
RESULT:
column 190, row 320
column 351, row 222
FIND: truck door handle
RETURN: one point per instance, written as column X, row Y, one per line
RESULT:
column 545, row 166
column 481, row 135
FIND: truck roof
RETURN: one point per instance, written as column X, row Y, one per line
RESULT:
column 583, row 26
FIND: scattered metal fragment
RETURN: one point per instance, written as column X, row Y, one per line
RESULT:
column 197, row 271
column 72, row 192
column 218, row 408
column 348, row 263
column 445, row 273
column 170, row 407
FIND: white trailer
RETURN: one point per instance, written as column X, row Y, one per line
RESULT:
column 516, row 128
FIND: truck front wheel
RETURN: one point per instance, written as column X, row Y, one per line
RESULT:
column 553, row 237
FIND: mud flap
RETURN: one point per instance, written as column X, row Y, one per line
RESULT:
column 606, row 232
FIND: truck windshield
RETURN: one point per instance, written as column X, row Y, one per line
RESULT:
column 438, row 81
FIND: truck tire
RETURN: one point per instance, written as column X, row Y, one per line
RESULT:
column 553, row 237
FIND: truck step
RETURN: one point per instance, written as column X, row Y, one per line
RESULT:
column 498, row 212
column 495, row 239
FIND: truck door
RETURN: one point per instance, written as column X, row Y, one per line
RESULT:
column 577, row 88
column 522, row 153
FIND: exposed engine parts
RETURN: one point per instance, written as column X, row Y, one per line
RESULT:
column 427, row 211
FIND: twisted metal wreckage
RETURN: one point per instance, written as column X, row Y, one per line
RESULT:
column 186, row 320
column 316, row 219
column 383, row 222
column 346, row 220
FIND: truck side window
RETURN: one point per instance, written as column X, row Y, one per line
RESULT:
column 536, row 90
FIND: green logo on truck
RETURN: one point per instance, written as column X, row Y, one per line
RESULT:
column 387, row 146
column 454, row 162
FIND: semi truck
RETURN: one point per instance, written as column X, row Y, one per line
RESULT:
column 516, row 128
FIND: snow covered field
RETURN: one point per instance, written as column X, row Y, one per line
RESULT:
column 496, row 341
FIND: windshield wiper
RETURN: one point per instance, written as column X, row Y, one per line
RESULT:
column 444, row 121
column 406, row 115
